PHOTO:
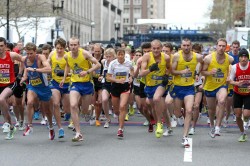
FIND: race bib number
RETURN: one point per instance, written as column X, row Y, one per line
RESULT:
column 4, row 78
column 157, row 79
column 36, row 82
column 120, row 75
column 218, row 77
column 243, row 90
column 186, row 77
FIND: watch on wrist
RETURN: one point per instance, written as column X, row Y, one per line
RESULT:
column 34, row 69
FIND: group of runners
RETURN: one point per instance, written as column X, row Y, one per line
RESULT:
column 167, row 85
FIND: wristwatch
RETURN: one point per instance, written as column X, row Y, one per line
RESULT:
column 34, row 69
column 87, row 72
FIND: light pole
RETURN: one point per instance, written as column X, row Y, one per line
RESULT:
column 57, row 8
column 8, row 23
column 92, row 25
column 238, row 23
column 117, row 24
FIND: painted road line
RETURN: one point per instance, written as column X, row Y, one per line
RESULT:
column 188, row 155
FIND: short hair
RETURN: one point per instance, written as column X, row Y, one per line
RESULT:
column 168, row 45
column 39, row 51
column 236, row 42
column 156, row 41
column 10, row 46
column 110, row 51
column 47, row 47
column 3, row 40
column 186, row 40
column 61, row 41
column 30, row 46
column 74, row 38
column 197, row 47
column 120, row 50
column 145, row 45
column 221, row 39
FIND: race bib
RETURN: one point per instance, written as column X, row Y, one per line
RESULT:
column 186, row 77
column 36, row 82
column 218, row 77
column 120, row 75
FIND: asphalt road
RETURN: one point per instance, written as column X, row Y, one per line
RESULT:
column 138, row 147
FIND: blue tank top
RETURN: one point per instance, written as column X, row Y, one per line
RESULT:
column 236, row 57
column 36, row 79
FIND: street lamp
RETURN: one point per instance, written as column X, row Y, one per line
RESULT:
column 57, row 7
column 8, row 19
column 238, row 23
column 92, row 25
column 117, row 24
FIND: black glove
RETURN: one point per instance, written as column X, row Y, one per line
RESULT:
column 60, row 73
column 164, row 80
column 154, row 67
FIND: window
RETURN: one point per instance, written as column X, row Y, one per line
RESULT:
column 126, row 2
column 125, row 20
column 126, row 11
column 137, row 10
column 137, row 2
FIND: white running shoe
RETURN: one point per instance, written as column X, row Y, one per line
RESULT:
column 234, row 118
column 185, row 142
column 92, row 121
column 17, row 124
column 6, row 127
column 180, row 121
column 168, row 132
column 43, row 122
column 191, row 131
column 245, row 124
column 146, row 123
column 106, row 125
column 217, row 131
column 208, row 120
column 225, row 122
column 173, row 122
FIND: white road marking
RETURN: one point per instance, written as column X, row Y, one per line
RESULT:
column 188, row 156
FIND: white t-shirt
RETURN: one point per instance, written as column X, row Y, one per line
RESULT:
column 119, row 70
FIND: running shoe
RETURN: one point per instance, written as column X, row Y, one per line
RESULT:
column 106, row 125
column 131, row 111
column 180, row 121
column 28, row 130
column 234, row 117
column 67, row 116
column 21, row 126
column 120, row 133
column 43, row 121
column 36, row 115
column 173, row 122
column 10, row 134
column 212, row 133
column 17, row 124
column 61, row 133
column 127, row 117
column 77, row 138
column 245, row 124
column 217, row 131
column 146, row 123
column 71, row 124
column 185, row 142
column 51, row 134
column 168, row 132
column 225, row 122
column 150, row 128
column 159, row 130
column 208, row 120
column 97, row 123
column 191, row 131
column 6, row 127
column 243, row 138
column 87, row 117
